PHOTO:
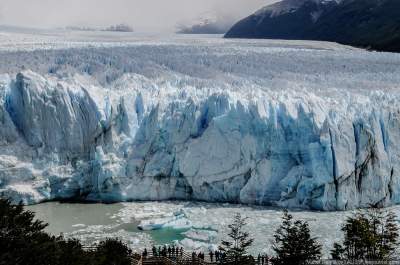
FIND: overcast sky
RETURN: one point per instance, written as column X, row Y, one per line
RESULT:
column 142, row 15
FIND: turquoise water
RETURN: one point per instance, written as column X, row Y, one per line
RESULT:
column 78, row 218
column 167, row 235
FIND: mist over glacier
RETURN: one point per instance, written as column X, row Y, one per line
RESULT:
column 289, row 123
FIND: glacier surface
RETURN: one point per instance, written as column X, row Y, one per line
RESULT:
column 295, row 124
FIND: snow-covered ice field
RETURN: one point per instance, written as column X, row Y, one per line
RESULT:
column 121, row 116
column 25, row 39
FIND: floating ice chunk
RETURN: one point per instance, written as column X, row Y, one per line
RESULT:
column 190, row 244
column 175, row 222
column 201, row 235
column 78, row 225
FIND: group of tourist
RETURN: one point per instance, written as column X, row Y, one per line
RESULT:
column 262, row 259
column 164, row 251
column 174, row 252
column 218, row 255
column 199, row 255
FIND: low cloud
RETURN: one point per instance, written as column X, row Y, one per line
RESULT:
column 143, row 15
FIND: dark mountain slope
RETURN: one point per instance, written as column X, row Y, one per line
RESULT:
column 366, row 23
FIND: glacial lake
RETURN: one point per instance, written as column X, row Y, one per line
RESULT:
column 94, row 222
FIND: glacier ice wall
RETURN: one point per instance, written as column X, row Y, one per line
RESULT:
column 165, row 134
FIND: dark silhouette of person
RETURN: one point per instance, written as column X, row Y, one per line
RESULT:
column 211, row 256
column 154, row 250
column 169, row 251
column 144, row 253
column 181, row 251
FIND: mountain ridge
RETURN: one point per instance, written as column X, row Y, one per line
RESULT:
column 373, row 24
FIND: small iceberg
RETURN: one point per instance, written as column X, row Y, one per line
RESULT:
column 79, row 225
column 201, row 235
column 177, row 221
column 190, row 244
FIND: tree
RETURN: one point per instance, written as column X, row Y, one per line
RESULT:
column 236, row 248
column 112, row 252
column 337, row 251
column 357, row 238
column 70, row 252
column 293, row 243
column 22, row 239
column 390, row 235
column 370, row 234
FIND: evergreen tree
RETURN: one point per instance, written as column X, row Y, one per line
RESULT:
column 236, row 248
column 390, row 235
column 112, row 252
column 22, row 239
column 370, row 234
column 337, row 252
column 293, row 243
column 357, row 239
column 70, row 252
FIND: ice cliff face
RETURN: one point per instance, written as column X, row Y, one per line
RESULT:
column 175, row 136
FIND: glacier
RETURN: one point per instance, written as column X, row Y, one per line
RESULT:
column 308, row 125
